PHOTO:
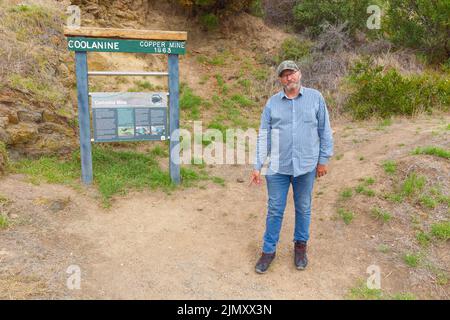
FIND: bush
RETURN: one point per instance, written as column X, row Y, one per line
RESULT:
column 216, row 6
column 421, row 24
column 312, row 14
column 294, row 49
column 209, row 21
column 385, row 93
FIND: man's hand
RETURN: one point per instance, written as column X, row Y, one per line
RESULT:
column 255, row 177
column 321, row 170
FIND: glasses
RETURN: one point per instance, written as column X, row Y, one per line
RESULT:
column 287, row 75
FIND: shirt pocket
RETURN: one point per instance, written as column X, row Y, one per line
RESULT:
column 309, row 117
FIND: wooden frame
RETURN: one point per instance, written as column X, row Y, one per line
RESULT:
column 114, row 33
column 82, row 74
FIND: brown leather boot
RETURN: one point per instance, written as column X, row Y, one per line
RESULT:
column 264, row 262
column 301, row 259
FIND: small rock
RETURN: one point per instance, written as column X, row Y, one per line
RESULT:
column 240, row 180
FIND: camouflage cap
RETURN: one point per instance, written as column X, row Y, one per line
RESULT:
column 287, row 65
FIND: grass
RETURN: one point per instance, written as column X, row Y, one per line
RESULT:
column 441, row 230
column 260, row 74
column 413, row 184
column 412, row 259
column 362, row 189
column 242, row 100
column 390, row 167
column 441, row 278
column 218, row 180
column 347, row 193
column 190, row 102
column 217, row 60
column 381, row 214
column 346, row 215
column 384, row 248
column 362, row 292
column 369, row 181
column 115, row 172
column 428, row 201
column 412, row 187
column 4, row 222
column 30, row 21
column 383, row 124
column 223, row 87
column 423, row 238
column 159, row 151
column 403, row 296
column 246, row 84
column 40, row 90
column 143, row 85
column 394, row 197
column 432, row 151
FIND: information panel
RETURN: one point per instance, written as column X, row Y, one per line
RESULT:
column 129, row 116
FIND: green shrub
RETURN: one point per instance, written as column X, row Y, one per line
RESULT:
column 294, row 49
column 387, row 93
column 218, row 6
column 422, row 25
column 312, row 14
column 209, row 21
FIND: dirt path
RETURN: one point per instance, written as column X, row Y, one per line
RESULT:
column 200, row 243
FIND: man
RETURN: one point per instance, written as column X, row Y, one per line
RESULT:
column 295, row 132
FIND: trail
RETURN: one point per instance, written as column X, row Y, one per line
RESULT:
column 203, row 243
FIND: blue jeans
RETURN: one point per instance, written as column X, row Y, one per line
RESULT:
column 277, row 188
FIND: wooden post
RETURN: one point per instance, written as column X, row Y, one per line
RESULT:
column 83, row 116
column 174, row 120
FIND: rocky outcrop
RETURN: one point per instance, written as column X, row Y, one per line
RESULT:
column 32, row 130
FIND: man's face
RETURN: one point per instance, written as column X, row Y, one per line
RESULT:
column 290, row 79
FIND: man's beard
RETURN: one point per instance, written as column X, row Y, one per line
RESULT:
column 292, row 86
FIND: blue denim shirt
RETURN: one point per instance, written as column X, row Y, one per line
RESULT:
column 295, row 133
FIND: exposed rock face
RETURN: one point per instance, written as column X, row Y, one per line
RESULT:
column 37, row 103
column 33, row 130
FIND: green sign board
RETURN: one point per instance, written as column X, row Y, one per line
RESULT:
column 127, row 116
column 120, row 45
